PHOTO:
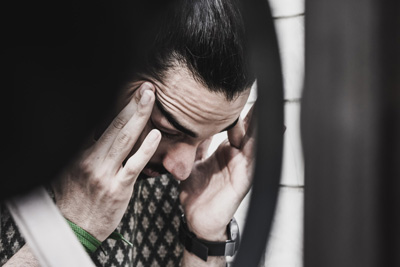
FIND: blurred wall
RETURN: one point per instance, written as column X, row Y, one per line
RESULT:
column 285, row 247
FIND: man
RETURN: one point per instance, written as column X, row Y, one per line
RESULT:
column 194, row 84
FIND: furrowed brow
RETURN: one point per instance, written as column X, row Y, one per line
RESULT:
column 231, row 126
column 173, row 121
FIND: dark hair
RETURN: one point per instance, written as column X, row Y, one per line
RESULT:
column 207, row 37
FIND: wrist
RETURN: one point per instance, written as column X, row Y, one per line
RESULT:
column 88, row 241
column 190, row 260
column 91, row 243
column 214, row 235
column 216, row 244
column 211, row 230
column 91, row 228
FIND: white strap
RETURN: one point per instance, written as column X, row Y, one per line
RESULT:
column 46, row 231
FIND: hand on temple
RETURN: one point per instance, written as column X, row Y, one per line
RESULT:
column 217, row 185
column 94, row 191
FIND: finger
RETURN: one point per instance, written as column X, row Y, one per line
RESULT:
column 138, row 161
column 236, row 134
column 107, row 138
column 248, row 118
column 250, row 137
column 201, row 152
column 130, row 133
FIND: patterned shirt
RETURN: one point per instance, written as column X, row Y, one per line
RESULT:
column 151, row 223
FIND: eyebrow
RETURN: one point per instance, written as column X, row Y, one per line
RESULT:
column 180, row 127
column 174, row 122
column 231, row 126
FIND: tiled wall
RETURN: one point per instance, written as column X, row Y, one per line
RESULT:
column 285, row 247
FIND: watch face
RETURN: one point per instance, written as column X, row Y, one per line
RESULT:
column 233, row 229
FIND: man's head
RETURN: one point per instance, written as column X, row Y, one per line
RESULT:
column 198, row 64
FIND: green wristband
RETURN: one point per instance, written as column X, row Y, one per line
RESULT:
column 89, row 242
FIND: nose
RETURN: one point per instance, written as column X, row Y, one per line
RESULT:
column 179, row 160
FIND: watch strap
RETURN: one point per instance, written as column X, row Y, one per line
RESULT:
column 203, row 248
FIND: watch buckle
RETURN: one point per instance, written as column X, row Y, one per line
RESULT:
column 230, row 249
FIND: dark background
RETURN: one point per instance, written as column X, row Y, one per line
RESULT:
column 62, row 65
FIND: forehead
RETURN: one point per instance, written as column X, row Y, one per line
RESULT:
column 193, row 104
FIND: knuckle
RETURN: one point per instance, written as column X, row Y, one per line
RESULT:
column 89, row 177
column 124, row 137
column 106, row 137
column 131, row 169
column 110, row 192
column 142, row 112
column 99, row 182
column 113, row 153
column 147, row 151
column 85, row 167
column 118, row 123
column 123, row 140
column 137, row 97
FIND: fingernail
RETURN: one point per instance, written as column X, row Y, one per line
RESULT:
column 145, row 98
column 145, row 86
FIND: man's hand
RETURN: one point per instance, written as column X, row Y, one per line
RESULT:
column 217, row 185
column 95, row 190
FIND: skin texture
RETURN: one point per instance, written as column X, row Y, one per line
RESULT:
column 194, row 107
column 95, row 189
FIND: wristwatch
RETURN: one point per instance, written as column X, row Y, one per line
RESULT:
column 203, row 248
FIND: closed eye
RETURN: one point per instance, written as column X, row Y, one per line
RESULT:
column 164, row 133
